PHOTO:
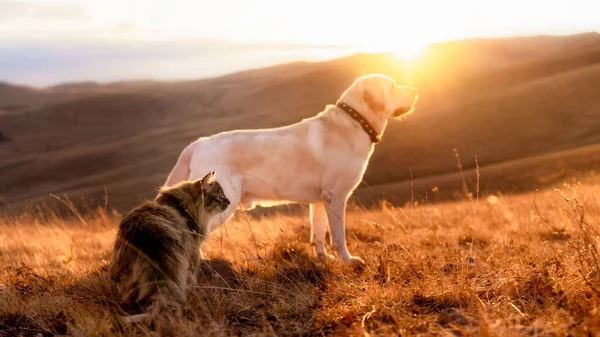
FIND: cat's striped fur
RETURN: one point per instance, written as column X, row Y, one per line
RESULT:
column 157, row 248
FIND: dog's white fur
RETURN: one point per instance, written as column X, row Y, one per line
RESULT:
column 319, row 160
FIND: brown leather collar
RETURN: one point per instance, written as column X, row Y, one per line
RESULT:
column 364, row 123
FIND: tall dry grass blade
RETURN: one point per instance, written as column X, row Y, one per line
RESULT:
column 139, row 318
column 465, row 188
column 72, row 208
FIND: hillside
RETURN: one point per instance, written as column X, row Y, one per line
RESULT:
column 16, row 97
column 503, row 100
column 513, row 176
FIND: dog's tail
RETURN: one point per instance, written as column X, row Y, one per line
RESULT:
column 181, row 171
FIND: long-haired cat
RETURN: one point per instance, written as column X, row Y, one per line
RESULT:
column 156, row 253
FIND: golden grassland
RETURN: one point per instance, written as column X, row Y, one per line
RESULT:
column 522, row 265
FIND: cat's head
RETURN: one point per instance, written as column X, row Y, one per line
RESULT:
column 202, row 197
column 210, row 196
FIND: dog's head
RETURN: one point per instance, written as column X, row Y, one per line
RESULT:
column 381, row 96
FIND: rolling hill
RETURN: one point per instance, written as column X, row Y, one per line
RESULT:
column 17, row 97
column 519, row 104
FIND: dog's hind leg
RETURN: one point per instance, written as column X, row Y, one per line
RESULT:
column 318, row 221
column 232, row 191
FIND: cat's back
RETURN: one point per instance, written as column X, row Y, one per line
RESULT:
column 150, row 212
column 147, row 232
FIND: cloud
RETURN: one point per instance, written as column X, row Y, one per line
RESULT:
column 53, row 21
column 45, row 62
column 15, row 10
column 123, row 28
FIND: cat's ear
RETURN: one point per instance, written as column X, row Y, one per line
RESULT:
column 206, row 183
column 209, row 178
column 201, row 184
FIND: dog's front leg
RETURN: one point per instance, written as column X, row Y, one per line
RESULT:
column 336, row 213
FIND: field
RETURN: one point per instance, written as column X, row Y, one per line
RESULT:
column 478, row 214
column 524, row 265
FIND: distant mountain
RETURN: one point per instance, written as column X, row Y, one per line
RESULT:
column 17, row 97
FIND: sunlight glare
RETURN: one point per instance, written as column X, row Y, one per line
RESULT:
column 405, row 50
column 409, row 52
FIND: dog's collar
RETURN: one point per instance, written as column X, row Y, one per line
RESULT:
column 364, row 123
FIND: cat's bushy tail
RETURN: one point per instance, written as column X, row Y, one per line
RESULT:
column 181, row 171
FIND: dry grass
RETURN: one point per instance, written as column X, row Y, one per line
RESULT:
column 502, row 266
column 498, row 265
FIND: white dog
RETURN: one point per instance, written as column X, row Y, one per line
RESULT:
column 319, row 160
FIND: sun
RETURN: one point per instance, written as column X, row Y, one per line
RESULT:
column 403, row 50
column 409, row 52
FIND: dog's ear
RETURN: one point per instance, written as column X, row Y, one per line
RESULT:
column 373, row 95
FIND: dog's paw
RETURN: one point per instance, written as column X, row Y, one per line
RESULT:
column 323, row 257
column 356, row 263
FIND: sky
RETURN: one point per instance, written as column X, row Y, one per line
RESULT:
column 43, row 42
